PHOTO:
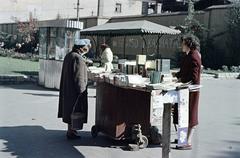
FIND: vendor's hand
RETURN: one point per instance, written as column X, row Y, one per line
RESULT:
column 89, row 61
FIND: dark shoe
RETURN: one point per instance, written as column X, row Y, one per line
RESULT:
column 184, row 147
column 72, row 136
column 175, row 141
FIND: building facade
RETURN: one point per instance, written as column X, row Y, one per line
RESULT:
column 161, row 6
column 209, row 17
column 13, row 10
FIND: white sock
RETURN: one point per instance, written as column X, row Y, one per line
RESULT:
column 190, row 134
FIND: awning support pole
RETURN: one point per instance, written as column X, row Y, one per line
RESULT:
column 144, row 44
column 158, row 53
column 96, row 47
column 124, row 47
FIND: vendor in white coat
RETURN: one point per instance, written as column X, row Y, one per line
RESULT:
column 106, row 57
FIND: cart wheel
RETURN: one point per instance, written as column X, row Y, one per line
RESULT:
column 94, row 131
column 143, row 144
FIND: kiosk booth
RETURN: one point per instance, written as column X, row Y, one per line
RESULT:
column 56, row 38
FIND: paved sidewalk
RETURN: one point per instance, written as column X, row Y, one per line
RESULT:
column 29, row 127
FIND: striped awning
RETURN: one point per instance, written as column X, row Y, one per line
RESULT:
column 141, row 27
column 61, row 23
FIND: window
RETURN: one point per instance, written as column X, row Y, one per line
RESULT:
column 43, row 43
column 118, row 8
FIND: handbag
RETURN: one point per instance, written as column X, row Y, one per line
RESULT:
column 77, row 117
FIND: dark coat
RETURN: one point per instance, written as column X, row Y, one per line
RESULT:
column 73, row 84
column 190, row 70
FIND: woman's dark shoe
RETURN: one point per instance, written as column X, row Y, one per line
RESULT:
column 72, row 136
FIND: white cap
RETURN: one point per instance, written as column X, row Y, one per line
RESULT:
column 88, row 42
column 80, row 42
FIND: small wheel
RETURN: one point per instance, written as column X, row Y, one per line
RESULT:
column 94, row 131
column 143, row 144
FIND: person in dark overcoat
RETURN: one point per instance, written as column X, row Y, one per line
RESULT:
column 73, row 86
column 190, row 71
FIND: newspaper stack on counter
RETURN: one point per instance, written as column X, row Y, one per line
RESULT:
column 169, row 86
column 120, row 79
column 95, row 73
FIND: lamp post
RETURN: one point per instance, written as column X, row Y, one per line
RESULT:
column 78, row 8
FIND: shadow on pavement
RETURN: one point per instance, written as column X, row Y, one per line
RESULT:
column 34, row 86
column 42, row 94
column 100, row 140
column 30, row 86
column 232, row 150
column 53, row 95
column 38, row 142
column 237, row 121
column 226, row 154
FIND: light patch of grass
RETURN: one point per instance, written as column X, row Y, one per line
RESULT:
column 11, row 66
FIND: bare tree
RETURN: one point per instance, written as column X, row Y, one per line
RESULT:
column 27, row 29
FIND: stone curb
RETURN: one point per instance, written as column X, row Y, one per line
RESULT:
column 233, row 75
column 207, row 76
column 221, row 75
column 17, row 79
